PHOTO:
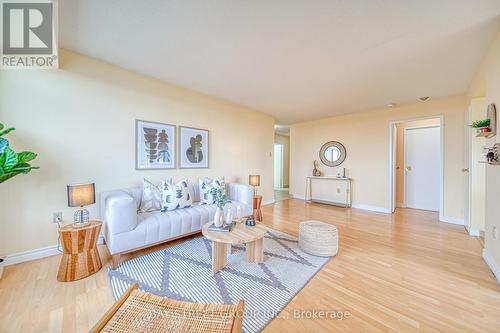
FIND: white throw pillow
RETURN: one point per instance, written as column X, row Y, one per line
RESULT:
column 206, row 184
column 151, row 197
column 175, row 196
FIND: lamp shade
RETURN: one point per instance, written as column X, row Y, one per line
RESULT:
column 80, row 195
column 254, row 180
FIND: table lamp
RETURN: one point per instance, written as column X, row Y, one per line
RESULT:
column 80, row 195
column 254, row 180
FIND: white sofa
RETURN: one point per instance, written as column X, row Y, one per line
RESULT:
column 126, row 230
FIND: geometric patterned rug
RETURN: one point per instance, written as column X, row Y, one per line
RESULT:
column 184, row 272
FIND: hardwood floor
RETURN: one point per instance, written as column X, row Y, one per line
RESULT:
column 405, row 272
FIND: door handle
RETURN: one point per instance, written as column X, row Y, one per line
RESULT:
column 408, row 168
column 465, row 170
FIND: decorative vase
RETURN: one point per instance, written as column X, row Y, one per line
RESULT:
column 229, row 216
column 485, row 130
column 218, row 217
column 238, row 213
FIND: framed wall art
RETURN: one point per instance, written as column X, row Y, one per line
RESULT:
column 155, row 145
column 193, row 148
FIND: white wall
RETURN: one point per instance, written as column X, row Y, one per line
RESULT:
column 80, row 120
column 366, row 138
column 487, row 84
column 477, row 170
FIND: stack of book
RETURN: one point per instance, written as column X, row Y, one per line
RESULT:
column 223, row 228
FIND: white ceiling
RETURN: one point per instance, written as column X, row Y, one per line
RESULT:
column 296, row 60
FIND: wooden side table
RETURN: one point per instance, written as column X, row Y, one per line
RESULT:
column 257, row 213
column 80, row 256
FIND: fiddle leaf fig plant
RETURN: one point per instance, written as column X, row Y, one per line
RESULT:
column 12, row 163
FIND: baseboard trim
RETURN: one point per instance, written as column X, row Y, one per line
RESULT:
column 354, row 205
column 451, row 220
column 267, row 202
column 371, row 208
column 492, row 264
column 474, row 232
column 43, row 252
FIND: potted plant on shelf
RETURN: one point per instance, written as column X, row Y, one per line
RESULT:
column 483, row 125
column 12, row 163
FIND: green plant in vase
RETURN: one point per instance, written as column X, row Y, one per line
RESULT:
column 220, row 199
column 12, row 163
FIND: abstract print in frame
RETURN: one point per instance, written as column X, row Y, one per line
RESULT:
column 155, row 145
column 193, row 147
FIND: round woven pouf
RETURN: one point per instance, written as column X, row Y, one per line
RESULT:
column 318, row 238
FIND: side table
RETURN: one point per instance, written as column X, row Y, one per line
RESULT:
column 80, row 255
column 257, row 213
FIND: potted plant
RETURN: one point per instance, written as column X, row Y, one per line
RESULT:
column 12, row 163
column 220, row 199
column 482, row 125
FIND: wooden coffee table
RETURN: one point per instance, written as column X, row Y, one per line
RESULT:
column 253, row 237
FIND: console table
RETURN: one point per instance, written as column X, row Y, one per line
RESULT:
column 348, row 199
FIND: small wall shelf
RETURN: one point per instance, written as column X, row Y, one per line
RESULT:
column 492, row 116
column 486, row 134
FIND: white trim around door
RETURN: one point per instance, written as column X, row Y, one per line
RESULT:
column 392, row 161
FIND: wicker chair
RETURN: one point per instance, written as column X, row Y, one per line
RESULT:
column 138, row 311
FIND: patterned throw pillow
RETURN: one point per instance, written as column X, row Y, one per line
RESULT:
column 206, row 184
column 175, row 196
column 151, row 197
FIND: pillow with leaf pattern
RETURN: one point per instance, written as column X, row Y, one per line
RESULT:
column 151, row 197
column 206, row 184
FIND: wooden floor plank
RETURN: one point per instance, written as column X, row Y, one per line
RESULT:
column 404, row 272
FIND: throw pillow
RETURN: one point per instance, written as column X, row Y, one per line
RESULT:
column 175, row 196
column 206, row 184
column 151, row 197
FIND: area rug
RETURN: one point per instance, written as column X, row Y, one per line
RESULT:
column 184, row 272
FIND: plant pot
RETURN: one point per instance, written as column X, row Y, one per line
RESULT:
column 485, row 129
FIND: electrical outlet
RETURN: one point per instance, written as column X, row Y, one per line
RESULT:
column 57, row 217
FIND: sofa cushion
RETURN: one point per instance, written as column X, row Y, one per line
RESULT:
column 206, row 185
column 175, row 196
column 151, row 197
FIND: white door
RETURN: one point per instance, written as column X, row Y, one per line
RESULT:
column 422, row 159
column 278, row 165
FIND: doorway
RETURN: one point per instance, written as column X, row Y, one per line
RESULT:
column 281, row 163
column 421, row 168
column 416, row 161
column 278, row 166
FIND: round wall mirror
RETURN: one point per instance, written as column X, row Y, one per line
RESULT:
column 332, row 153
